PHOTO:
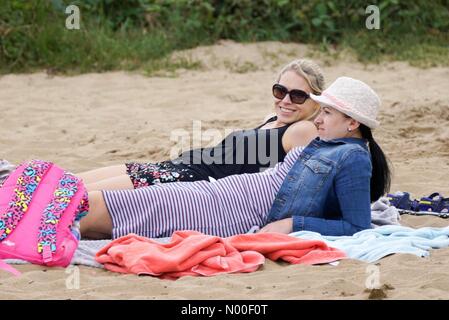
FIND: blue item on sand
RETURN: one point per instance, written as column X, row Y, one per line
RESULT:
column 402, row 201
column 434, row 205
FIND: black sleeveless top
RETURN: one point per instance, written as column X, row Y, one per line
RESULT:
column 244, row 151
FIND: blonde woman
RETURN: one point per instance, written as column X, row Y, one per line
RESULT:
column 246, row 151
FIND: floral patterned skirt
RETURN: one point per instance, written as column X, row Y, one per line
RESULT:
column 147, row 174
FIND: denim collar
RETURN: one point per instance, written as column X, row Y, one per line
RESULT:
column 361, row 142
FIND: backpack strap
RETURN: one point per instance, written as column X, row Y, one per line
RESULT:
column 65, row 191
column 26, row 184
column 8, row 268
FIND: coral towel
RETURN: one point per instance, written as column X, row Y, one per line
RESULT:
column 193, row 253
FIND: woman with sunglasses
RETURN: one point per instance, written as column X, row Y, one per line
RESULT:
column 246, row 151
column 325, row 187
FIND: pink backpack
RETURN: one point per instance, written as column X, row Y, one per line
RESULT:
column 39, row 203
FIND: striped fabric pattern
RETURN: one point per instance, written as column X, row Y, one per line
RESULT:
column 225, row 207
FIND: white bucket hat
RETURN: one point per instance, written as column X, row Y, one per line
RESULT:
column 353, row 98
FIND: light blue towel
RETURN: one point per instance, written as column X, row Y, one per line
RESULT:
column 373, row 244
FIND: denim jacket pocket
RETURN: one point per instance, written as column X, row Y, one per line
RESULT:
column 316, row 172
column 318, row 166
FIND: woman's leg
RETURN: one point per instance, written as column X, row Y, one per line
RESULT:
column 98, row 223
column 115, row 183
column 107, row 178
column 94, row 176
column 224, row 208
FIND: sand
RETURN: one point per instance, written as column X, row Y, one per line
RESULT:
column 93, row 120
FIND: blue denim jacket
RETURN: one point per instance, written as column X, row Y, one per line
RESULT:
column 328, row 188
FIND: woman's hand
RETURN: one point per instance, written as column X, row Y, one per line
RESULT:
column 280, row 226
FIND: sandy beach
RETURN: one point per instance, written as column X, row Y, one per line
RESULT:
column 93, row 120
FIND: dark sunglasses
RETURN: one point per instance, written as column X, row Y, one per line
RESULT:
column 296, row 96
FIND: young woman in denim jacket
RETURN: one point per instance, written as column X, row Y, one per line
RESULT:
column 325, row 187
column 330, row 187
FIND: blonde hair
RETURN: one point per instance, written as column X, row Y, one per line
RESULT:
column 309, row 70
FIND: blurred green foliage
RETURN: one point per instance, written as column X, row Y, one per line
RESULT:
column 120, row 34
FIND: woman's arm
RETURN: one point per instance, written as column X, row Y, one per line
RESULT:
column 299, row 134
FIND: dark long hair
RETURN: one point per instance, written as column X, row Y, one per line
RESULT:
column 381, row 175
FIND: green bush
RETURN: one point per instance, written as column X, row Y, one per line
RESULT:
column 117, row 34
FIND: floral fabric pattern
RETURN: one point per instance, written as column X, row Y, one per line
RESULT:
column 147, row 174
